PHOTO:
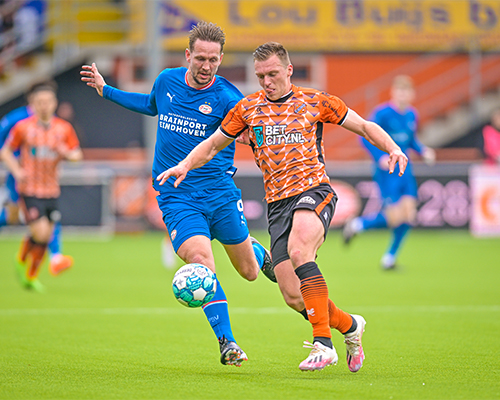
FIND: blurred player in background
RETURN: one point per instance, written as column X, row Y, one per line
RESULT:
column 9, row 212
column 398, row 194
column 42, row 140
column 285, row 125
column 491, row 136
column 191, row 103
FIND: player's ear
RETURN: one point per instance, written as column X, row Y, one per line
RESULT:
column 221, row 57
column 290, row 70
column 188, row 56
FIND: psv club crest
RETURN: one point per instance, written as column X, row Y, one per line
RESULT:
column 259, row 135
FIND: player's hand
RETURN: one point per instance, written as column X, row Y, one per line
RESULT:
column 397, row 157
column 178, row 171
column 90, row 75
column 429, row 156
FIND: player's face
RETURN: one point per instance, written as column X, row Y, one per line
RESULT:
column 403, row 96
column 203, row 61
column 44, row 104
column 274, row 77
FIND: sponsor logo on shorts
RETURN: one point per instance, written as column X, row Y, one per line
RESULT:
column 325, row 215
column 307, row 199
column 33, row 213
column 173, row 234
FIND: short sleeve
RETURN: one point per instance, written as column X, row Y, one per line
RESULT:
column 71, row 139
column 233, row 124
column 332, row 109
column 15, row 138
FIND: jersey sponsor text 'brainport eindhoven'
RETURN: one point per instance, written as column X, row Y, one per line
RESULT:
column 287, row 137
column 186, row 117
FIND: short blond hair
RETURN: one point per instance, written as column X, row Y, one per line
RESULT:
column 266, row 50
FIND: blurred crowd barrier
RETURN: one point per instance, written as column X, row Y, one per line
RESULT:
column 108, row 197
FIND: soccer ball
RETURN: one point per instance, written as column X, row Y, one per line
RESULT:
column 194, row 285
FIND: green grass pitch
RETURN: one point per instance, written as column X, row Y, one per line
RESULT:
column 110, row 328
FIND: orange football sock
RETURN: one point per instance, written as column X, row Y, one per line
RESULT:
column 315, row 294
column 339, row 319
column 36, row 257
column 26, row 246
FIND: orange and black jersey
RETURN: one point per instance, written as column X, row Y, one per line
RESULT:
column 40, row 147
column 287, row 137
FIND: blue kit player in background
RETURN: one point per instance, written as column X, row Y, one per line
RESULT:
column 9, row 212
column 398, row 193
column 191, row 104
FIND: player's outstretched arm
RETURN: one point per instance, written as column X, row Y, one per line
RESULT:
column 198, row 157
column 378, row 137
column 137, row 102
column 90, row 75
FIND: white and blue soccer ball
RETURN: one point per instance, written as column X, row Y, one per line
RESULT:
column 194, row 285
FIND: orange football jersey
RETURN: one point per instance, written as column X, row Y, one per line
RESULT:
column 287, row 137
column 40, row 154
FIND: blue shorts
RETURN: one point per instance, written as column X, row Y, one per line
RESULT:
column 214, row 213
column 10, row 184
column 393, row 187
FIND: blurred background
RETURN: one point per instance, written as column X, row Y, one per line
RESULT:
column 350, row 48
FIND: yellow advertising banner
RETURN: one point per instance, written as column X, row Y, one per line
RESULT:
column 340, row 25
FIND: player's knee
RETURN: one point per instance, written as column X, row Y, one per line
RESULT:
column 251, row 274
column 42, row 234
column 297, row 256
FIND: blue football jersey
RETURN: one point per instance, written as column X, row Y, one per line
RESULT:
column 186, row 117
column 401, row 127
column 10, row 119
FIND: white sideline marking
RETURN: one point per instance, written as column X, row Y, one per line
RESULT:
column 239, row 310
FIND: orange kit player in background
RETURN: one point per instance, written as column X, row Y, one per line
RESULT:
column 43, row 141
column 285, row 125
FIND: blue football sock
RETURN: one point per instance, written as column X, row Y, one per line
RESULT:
column 374, row 221
column 260, row 252
column 55, row 245
column 3, row 217
column 398, row 234
column 218, row 315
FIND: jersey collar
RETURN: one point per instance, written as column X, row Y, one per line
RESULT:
column 282, row 99
column 203, row 87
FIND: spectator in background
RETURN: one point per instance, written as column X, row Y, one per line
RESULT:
column 29, row 25
column 398, row 194
column 491, row 136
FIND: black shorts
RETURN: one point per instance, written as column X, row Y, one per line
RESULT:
column 322, row 199
column 35, row 208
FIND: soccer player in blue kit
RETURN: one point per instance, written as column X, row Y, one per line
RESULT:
column 398, row 193
column 9, row 212
column 190, row 104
